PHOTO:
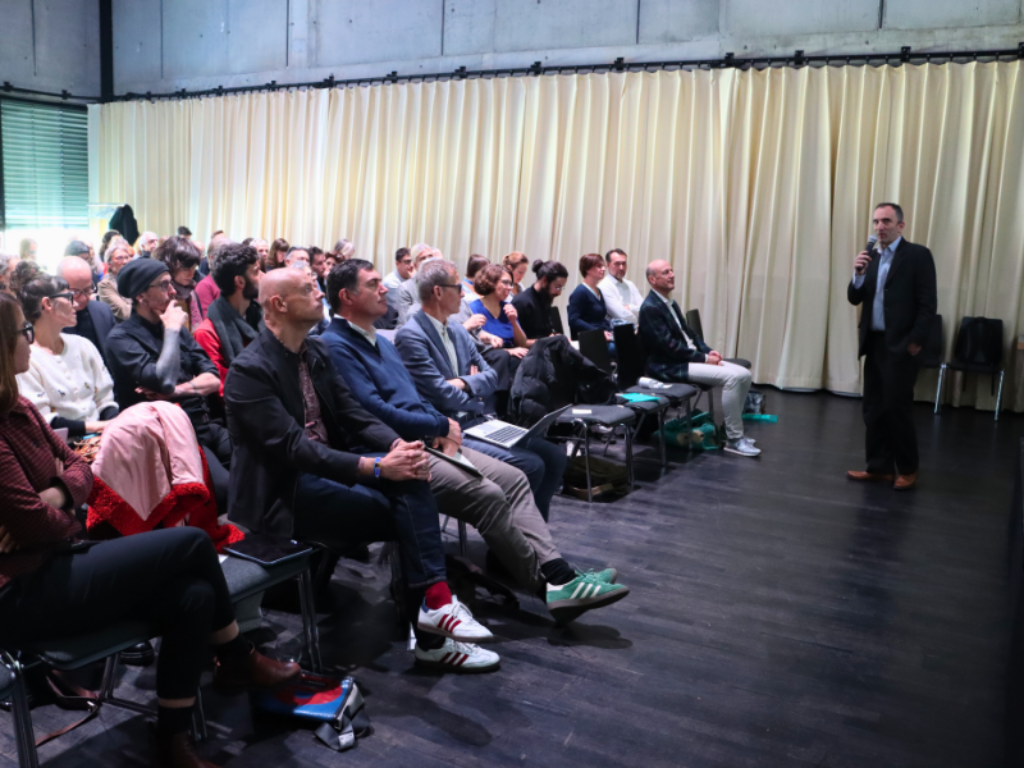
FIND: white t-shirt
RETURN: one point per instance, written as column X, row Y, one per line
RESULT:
column 74, row 384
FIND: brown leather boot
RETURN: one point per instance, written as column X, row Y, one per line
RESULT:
column 905, row 482
column 254, row 672
column 178, row 751
column 876, row 477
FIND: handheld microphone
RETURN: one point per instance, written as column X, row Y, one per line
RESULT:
column 871, row 243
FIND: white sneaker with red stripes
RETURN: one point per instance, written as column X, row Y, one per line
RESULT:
column 454, row 656
column 453, row 621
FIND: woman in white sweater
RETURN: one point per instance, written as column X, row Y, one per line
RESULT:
column 66, row 379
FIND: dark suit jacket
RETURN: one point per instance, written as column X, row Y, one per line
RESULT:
column 910, row 298
column 587, row 312
column 668, row 354
column 266, row 417
column 103, row 323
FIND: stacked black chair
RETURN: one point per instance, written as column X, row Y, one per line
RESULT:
column 556, row 321
column 931, row 355
column 978, row 349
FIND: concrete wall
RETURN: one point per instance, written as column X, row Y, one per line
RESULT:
column 51, row 45
column 162, row 45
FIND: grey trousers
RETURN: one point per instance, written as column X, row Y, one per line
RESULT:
column 500, row 506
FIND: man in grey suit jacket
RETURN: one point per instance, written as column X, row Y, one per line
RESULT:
column 452, row 376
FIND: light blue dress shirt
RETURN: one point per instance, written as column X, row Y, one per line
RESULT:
column 878, row 306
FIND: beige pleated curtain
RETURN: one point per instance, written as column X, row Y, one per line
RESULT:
column 758, row 186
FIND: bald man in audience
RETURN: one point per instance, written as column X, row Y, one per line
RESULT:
column 95, row 320
column 311, row 464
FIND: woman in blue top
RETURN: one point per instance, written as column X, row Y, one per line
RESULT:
column 587, row 310
column 493, row 284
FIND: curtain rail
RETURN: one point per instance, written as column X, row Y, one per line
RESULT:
column 904, row 56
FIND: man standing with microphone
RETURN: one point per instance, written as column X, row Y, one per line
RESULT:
column 896, row 283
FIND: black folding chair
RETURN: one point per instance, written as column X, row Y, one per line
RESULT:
column 556, row 321
column 693, row 320
column 931, row 355
column 12, row 689
column 979, row 349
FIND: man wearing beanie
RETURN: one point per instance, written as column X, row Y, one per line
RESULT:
column 154, row 357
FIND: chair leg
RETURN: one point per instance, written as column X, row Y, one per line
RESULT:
column 629, row 458
column 661, row 439
column 999, row 397
column 463, row 542
column 938, row 387
column 24, row 735
column 309, row 628
column 199, row 730
column 586, row 460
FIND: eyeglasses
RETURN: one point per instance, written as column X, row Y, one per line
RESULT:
column 507, row 282
column 28, row 332
column 85, row 293
column 163, row 285
column 70, row 296
column 446, row 285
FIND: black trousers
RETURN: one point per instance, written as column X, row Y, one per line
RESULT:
column 216, row 444
column 169, row 578
column 889, row 377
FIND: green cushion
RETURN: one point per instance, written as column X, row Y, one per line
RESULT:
column 75, row 652
column 245, row 578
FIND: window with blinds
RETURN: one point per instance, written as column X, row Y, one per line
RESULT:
column 43, row 153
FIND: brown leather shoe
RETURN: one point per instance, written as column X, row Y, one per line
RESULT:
column 905, row 482
column 255, row 672
column 178, row 751
column 856, row 474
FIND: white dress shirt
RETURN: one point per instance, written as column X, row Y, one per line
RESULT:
column 622, row 300
column 884, row 264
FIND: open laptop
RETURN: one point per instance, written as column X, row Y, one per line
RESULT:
column 505, row 435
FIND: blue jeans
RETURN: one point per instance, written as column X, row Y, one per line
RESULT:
column 542, row 462
column 375, row 510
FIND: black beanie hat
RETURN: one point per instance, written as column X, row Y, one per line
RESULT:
column 136, row 276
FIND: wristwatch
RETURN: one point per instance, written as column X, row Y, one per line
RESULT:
column 376, row 467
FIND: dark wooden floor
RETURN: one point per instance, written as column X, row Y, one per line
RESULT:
column 780, row 616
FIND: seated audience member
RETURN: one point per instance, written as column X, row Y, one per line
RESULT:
column 25, row 272
column 262, row 248
column 620, row 295
column 587, row 310
column 7, row 264
column 403, row 273
column 66, row 380
column 295, row 255
column 454, row 378
column 27, row 249
column 534, row 303
column 184, row 231
column 51, row 588
column 500, row 504
column 94, row 319
column 675, row 353
column 312, row 464
column 234, row 319
column 408, row 297
column 329, row 261
column 117, row 254
column 493, row 285
column 206, row 289
column 275, row 256
column 154, row 357
column 474, row 266
column 205, row 266
column 84, row 251
column 318, row 263
column 517, row 264
column 146, row 244
column 181, row 258
column 343, row 250
column 109, row 235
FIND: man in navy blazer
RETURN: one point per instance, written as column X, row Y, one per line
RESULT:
column 500, row 503
column 95, row 321
column 894, row 327
column 676, row 353
column 452, row 376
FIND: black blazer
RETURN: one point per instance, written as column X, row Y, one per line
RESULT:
column 910, row 297
column 103, row 323
column 668, row 354
column 266, row 418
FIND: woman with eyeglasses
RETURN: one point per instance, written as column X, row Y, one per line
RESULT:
column 66, row 379
column 493, row 285
column 53, row 586
column 118, row 254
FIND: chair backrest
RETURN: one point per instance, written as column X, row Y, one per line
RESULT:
column 979, row 342
column 594, row 347
column 693, row 320
column 556, row 320
column 931, row 357
column 629, row 349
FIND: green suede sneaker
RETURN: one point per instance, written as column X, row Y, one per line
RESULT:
column 569, row 601
column 608, row 575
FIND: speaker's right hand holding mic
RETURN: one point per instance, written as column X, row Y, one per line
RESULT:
column 860, row 264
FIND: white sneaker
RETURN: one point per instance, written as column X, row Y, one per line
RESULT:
column 742, row 447
column 458, row 657
column 453, row 621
